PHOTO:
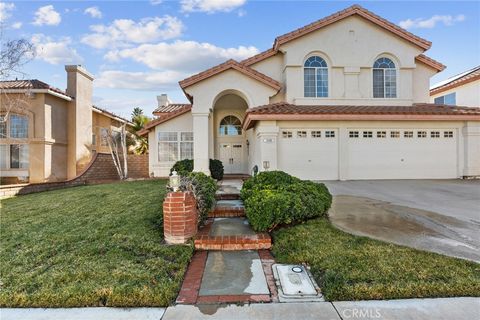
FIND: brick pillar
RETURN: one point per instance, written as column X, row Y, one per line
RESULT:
column 179, row 217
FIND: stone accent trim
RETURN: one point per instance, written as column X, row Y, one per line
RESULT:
column 180, row 217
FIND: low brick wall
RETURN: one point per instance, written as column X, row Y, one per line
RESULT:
column 138, row 166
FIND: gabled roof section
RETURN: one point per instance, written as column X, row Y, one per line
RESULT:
column 164, row 118
column 456, row 81
column 172, row 107
column 111, row 115
column 231, row 64
column 430, row 62
column 423, row 111
column 353, row 10
column 259, row 57
column 33, row 85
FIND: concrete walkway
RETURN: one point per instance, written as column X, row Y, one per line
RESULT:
column 414, row 309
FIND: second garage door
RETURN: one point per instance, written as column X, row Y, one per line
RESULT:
column 402, row 154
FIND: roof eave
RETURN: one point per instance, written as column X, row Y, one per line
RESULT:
column 44, row 91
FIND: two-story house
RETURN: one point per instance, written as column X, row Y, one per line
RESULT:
column 345, row 97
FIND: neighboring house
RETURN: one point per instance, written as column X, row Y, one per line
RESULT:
column 47, row 134
column 345, row 97
column 462, row 89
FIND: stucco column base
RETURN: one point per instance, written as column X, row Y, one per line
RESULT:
column 179, row 217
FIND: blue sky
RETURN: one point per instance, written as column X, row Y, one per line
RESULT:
column 150, row 45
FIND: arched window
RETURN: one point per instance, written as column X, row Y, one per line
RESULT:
column 384, row 79
column 230, row 126
column 315, row 77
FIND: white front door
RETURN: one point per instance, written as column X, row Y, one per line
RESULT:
column 231, row 155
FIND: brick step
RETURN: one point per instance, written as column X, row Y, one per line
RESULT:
column 227, row 212
column 227, row 196
column 238, row 242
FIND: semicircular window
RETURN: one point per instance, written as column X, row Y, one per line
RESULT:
column 315, row 77
column 230, row 126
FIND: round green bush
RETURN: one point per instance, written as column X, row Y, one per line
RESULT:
column 203, row 188
column 278, row 199
column 183, row 167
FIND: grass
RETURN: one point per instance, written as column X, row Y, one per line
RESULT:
column 349, row 267
column 96, row 245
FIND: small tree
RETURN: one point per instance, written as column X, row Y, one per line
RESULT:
column 139, row 121
column 117, row 143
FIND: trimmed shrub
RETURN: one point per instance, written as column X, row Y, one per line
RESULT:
column 278, row 199
column 183, row 167
column 216, row 169
column 271, row 180
column 203, row 188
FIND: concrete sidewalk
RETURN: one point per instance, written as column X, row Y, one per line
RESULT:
column 415, row 309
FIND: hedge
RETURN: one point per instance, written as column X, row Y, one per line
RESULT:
column 276, row 198
column 183, row 167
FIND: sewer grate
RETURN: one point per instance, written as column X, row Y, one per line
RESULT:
column 295, row 283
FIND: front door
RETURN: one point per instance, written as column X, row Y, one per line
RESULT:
column 231, row 155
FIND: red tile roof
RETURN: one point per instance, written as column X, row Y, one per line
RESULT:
column 430, row 62
column 28, row 85
column 286, row 111
column 172, row 107
column 456, row 81
column 230, row 64
column 164, row 118
column 358, row 10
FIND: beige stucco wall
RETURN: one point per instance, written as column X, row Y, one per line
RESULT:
column 466, row 95
column 101, row 121
column 421, row 83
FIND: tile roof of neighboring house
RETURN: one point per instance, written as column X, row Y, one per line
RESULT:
column 286, row 111
column 230, row 64
column 112, row 115
column 172, row 107
column 430, row 62
column 164, row 118
column 33, row 84
column 456, row 81
column 352, row 10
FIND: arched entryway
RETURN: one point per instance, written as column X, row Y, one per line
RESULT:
column 229, row 137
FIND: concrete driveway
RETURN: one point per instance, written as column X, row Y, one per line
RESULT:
column 441, row 216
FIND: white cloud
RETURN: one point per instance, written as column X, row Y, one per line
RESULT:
column 155, row 2
column 5, row 10
column 181, row 55
column 94, row 12
column 211, row 6
column 158, row 81
column 55, row 52
column 47, row 16
column 122, row 32
column 429, row 23
column 241, row 13
column 17, row 25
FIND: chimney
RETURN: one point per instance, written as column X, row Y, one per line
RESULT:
column 163, row 100
column 80, row 87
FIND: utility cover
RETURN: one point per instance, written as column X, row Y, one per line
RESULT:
column 295, row 283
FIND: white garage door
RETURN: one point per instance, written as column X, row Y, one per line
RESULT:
column 309, row 154
column 402, row 153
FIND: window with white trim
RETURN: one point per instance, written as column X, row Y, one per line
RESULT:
column 301, row 134
column 449, row 99
column 230, row 126
column 384, row 78
column 353, row 134
column 329, row 134
column 381, row 134
column 104, row 137
column 316, row 134
column 448, row 134
column 287, row 134
column 408, row 134
column 435, row 134
column 14, row 155
column 421, row 134
column 174, row 146
column 315, row 77
column 367, row 134
column 394, row 134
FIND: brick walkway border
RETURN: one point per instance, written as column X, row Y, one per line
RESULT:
column 193, row 280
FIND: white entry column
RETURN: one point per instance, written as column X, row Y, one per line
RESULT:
column 471, row 134
column 267, row 137
column 201, row 142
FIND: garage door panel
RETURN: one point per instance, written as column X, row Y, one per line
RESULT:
column 402, row 158
column 308, row 157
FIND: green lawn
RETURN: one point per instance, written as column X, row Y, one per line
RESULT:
column 96, row 245
column 349, row 267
